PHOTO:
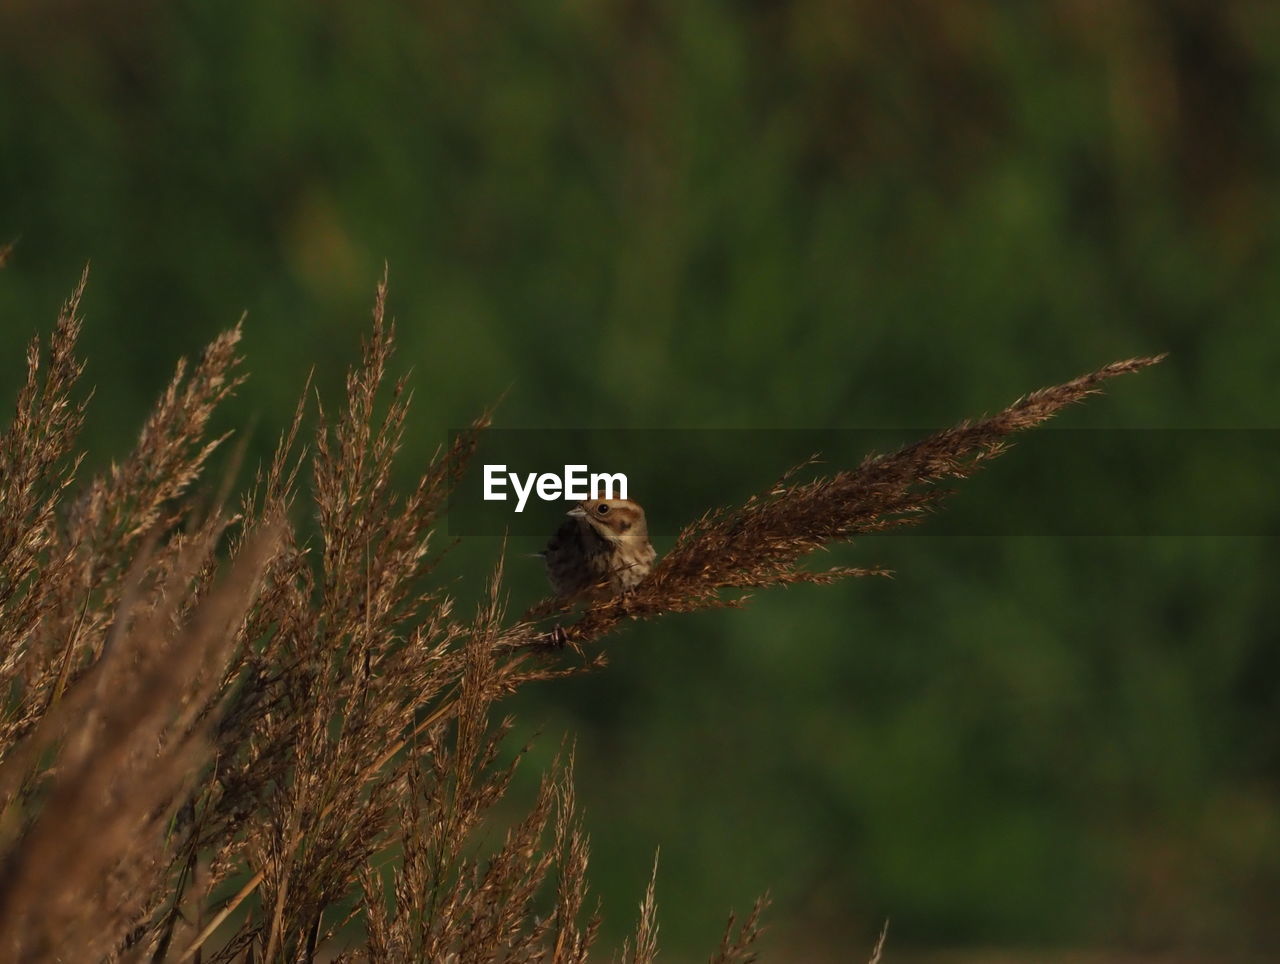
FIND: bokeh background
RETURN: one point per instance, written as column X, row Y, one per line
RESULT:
column 824, row 214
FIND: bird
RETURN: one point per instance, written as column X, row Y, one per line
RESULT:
column 600, row 550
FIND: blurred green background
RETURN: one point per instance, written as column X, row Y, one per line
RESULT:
column 697, row 214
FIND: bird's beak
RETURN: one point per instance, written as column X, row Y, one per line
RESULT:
column 577, row 512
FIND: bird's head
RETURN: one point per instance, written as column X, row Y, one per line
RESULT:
column 613, row 519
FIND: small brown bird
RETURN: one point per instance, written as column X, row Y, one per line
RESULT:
column 602, row 549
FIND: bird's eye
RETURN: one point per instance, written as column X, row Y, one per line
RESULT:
column 602, row 509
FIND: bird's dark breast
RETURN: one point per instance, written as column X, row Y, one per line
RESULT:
column 576, row 557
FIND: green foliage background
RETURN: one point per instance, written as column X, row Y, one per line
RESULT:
column 755, row 215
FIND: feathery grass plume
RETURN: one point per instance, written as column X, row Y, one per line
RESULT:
column 72, row 573
column 85, row 859
column 646, row 936
column 735, row 948
column 763, row 542
column 571, row 940
column 302, row 758
column 878, row 950
column 36, row 469
column 448, row 906
column 345, row 665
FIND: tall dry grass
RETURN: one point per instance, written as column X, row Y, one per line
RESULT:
column 222, row 743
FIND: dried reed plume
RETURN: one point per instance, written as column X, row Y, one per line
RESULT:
column 222, row 742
